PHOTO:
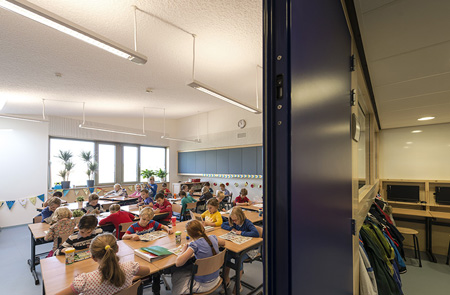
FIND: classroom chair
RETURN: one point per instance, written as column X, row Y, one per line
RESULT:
column 106, row 207
column 413, row 233
column 62, row 239
column 124, row 226
column 37, row 219
column 189, row 208
column 200, row 206
column 135, row 289
column 176, row 208
column 250, row 260
column 207, row 266
column 448, row 253
column 229, row 201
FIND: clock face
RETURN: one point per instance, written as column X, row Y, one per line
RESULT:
column 242, row 123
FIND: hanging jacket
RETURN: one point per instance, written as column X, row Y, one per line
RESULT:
column 367, row 281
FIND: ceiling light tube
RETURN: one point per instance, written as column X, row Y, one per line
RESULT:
column 425, row 118
column 110, row 130
column 178, row 139
column 52, row 20
column 22, row 119
column 208, row 90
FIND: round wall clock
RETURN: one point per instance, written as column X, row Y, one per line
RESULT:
column 242, row 123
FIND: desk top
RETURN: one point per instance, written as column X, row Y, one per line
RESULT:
column 253, row 216
column 254, row 207
column 57, row 275
column 411, row 212
column 118, row 199
column 442, row 215
column 38, row 229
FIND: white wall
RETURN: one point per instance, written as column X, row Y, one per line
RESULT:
column 23, row 159
column 406, row 155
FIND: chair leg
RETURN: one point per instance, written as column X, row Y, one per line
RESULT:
column 448, row 253
column 418, row 250
column 415, row 246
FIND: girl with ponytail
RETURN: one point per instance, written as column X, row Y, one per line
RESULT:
column 111, row 275
column 202, row 246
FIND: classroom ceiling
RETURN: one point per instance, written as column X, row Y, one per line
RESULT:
column 407, row 46
column 38, row 62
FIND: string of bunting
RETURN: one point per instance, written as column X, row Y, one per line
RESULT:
column 23, row 201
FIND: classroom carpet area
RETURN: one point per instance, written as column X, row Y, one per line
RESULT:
column 16, row 278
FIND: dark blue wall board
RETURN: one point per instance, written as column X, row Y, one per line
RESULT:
column 182, row 163
column 235, row 161
column 222, row 161
column 249, row 161
column 200, row 162
column 211, row 162
column 190, row 161
column 259, row 160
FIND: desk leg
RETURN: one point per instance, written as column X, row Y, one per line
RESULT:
column 429, row 239
column 32, row 261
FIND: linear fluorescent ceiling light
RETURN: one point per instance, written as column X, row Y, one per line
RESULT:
column 2, row 103
column 179, row 139
column 425, row 118
column 52, row 20
column 208, row 90
column 416, row 131
column 22, row 118
column 110, row 130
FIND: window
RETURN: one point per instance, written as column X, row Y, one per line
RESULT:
column 153, row 158
column 77, row 175
column 106, row 163
column 130, row 164
column 117, row 162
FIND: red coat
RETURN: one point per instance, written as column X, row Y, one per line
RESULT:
column 116, row 219
column 165, row 207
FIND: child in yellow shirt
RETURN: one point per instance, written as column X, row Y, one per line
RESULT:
column 212, row 216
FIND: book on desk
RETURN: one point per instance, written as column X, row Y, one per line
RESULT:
column 152, row 253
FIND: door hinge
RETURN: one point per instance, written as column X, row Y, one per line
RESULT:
column 352, row 63
column 352, row 97
column 353, row 227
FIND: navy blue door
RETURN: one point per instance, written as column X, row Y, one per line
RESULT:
column 307, row 148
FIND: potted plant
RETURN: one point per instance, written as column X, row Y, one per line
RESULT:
column 80, row 201
column 92, row 166
column 147, row 173
column 77, row 215
column 65, row 157
column 161, row 174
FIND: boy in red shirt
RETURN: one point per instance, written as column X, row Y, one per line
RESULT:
column 162, row 206
column 242, row 199
column 117, row 217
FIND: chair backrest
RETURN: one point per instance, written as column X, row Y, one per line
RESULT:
column 62, row 239
column 124, row 226
column 37, row 219
column 206, row 266
column 176, row 208
column 260, row 230
column 106, row 206
column 190, row 206
column 131, row 290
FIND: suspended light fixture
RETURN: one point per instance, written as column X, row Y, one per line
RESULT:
column 84, row 126
column 27, row 119
column 54, row 21
column 209, row 90
column 197, row 140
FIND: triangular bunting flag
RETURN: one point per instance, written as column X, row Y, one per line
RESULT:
column 77, row 192
column 59, row 190
column 10, row 204
column 41, row 197
column 51, row 193
column 1, row 203
column 91, row 189
column 131, row 188
column 65, row 192
column 32, row 200
column 23, row 202
column 85, row 191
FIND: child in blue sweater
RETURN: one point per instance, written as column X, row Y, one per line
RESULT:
column 240, row 225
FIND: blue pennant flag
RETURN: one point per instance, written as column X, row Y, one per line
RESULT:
column 10, row 204
column 91, row 189
column 41, row 197
column 65, row 192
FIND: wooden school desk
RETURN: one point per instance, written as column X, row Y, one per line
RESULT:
column 252, row 207
column 56, row 275
column 251, row 215
column 74, row 205
column 120, row 200
column 234, row 250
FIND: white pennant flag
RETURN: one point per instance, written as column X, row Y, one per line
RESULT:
column 23, row 202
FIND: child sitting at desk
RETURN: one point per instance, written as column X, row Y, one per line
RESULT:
column 143, row 226
column 239, row 225
column 147, row 199
column 111, row 276
column 64, row 225
column 189, row 193
column 209, row 187
column 117, row 217
column 116, row 192
column 206, row 194
column 167, row 192
column 212, row 217
column 87, row 230
column 202, row 246
column 55, row 194
column 93, row 207
column 47, row 213
column 162, row 206
column 220, row 198
column 184, row 201
column 152, row 186
column 242, row 199
column 223, row 190
column 137, row 192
